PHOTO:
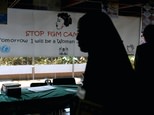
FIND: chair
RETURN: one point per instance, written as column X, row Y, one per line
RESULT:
column 64, row 81
column 47, row 82
column 37, row 84
column 85, row 107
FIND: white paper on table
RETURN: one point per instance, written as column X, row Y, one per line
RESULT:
column 71, row 90
column 41, row 88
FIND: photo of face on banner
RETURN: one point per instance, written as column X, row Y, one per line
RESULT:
column 63, row 20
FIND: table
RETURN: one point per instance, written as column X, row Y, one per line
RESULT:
column 37, row 102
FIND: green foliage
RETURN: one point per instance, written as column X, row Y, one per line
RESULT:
column 42, row 60
column 48, row 60
column 131, row 58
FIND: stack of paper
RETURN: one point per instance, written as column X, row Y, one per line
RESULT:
column 41, row 88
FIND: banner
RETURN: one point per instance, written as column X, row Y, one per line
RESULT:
column 37, row 33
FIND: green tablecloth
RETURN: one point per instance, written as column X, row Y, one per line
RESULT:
column 30, row 101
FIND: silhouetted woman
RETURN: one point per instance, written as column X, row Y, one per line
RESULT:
column 144, row 62
column 108, row 74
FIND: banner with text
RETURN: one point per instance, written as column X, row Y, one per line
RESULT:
column 39, row 33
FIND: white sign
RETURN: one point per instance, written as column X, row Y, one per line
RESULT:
column 39, row 33
column 36, row 33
